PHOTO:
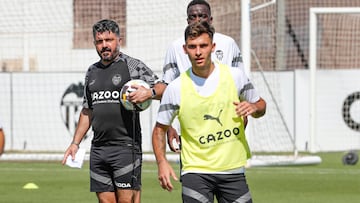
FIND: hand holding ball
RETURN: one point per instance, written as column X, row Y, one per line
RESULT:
column 127, row 89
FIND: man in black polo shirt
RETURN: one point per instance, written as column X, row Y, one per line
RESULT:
column 116, row 156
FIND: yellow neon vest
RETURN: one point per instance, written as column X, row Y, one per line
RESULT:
column 212, row 135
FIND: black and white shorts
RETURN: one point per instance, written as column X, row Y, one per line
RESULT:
column 198, row 188
column 114, row 167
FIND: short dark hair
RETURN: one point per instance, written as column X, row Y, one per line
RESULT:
column 106, row 25
column 196, row 2
column 196, row 29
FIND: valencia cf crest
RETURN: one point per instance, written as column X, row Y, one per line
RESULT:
column 116, row 79
column 71, row 105
column 219, row 55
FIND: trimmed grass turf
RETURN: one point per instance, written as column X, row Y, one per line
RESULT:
column 328, row 182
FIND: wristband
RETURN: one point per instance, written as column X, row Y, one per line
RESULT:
column 77, row 144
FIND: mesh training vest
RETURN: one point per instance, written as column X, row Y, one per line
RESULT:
column 212, row 135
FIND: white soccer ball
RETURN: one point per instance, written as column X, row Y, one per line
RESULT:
column 127, row 89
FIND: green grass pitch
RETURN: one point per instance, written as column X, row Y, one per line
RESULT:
column 328, row 182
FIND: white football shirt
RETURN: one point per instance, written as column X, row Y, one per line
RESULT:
column 176, row 61
column 170, row 102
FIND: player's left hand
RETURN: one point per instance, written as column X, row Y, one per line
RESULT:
column 140, row 95
column 244, row 108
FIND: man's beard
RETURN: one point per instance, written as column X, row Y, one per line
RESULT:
column 109, row 57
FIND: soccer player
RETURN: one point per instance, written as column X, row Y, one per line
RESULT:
column 210, row 100
column 176, row 61
column 115, row 156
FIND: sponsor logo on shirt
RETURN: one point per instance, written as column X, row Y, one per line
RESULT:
column 217, row 118
column 213, row 138
column 105, row 97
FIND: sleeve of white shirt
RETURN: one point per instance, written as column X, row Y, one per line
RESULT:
column 170, row 68
column 237, row 58
column 170, row 103
column 246, row 89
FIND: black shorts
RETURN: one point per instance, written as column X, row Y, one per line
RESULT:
column 198, row 188
column 114, row 167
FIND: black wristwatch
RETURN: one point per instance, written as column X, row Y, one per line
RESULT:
column 153, row 93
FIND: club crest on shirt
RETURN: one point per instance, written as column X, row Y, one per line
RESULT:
column 116, row 79
column 219, row 54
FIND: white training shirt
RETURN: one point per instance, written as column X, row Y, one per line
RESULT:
column 205, row 87
column 176, row 61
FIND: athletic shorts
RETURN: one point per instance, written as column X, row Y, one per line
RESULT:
column 226, row 188
column 114, row 167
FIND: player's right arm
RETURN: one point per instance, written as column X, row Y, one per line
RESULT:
column 165, row 171
column 171, row 132
column 168, row 109
column 81, row 130
column 170, row 72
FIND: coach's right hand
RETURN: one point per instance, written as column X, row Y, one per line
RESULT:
column 71, row 150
